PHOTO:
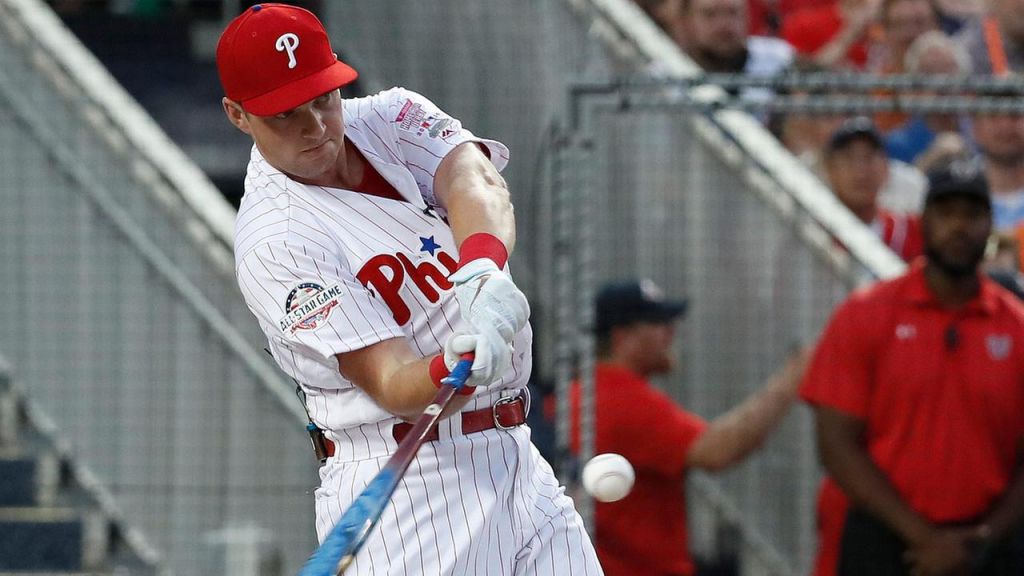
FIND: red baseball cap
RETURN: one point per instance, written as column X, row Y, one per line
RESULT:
column 274, row 57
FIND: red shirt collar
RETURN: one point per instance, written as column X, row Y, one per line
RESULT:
column 917, row 291
column 617, row 372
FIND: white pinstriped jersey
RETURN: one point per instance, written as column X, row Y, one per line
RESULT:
column 327, row 270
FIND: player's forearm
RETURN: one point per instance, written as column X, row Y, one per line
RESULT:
column 392, row 374
column 849, row 464
column 475, row 196
column 483, row 206
column 407, row 391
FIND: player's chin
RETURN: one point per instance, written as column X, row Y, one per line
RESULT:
column 311, row 167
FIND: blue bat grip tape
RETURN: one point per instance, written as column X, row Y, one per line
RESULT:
column 459, row 375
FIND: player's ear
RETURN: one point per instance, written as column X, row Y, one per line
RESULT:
column 236, row 115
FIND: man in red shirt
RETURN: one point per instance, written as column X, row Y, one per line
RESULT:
column 644, row 534
column 918, row 390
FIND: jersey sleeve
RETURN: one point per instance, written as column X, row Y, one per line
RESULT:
column 652, row 431
column 840, row 373
column 308, row 301
column 426, row 134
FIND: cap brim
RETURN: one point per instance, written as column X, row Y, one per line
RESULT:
column 671, row 310
column 301, row 91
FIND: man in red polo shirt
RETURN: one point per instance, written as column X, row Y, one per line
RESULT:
column 644, row 534
column 918, row 389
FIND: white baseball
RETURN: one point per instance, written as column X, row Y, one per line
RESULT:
column 608, row 477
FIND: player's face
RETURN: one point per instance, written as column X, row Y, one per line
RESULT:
column 304, row 142
column 956, row 231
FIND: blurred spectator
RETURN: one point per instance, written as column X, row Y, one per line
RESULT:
column 719, row 41
column 856, row 168
column 920, row 412
column 1002, row 263
column 900, row 23
column 1002, row 253
column 835, row 35
column 953, row 14
column 713, row 33
column 918, row 139
column 1000, row 141
column 806, row 134
column 995, row 41
column 766, row 16
column 645, row 532
column 669, row 16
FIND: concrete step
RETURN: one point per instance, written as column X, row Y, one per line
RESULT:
column 41, row 539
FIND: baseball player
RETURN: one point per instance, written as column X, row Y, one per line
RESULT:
column 371, row 245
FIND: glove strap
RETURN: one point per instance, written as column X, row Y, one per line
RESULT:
column 438, row 372
column 483, row 245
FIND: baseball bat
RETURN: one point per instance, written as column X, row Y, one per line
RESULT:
column 339, row 548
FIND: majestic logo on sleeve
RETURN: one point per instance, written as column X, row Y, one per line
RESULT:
column 309, row 305
column 413, row 118
column 386, row 275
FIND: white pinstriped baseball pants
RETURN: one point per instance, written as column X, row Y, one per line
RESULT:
column 481, row 504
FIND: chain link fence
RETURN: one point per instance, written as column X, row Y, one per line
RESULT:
column 125, row 324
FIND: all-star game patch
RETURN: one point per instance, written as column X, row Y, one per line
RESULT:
column 308, row 306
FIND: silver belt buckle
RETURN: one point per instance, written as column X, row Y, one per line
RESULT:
column 494, row 411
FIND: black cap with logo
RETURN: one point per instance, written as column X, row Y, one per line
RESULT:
column 963, row 177
column 631, row 301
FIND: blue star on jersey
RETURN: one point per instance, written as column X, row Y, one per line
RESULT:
column 429, row 245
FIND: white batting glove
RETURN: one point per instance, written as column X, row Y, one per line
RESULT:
column 488, row 299
column 492, row 354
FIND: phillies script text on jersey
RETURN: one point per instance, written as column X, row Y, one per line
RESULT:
column 385, row 274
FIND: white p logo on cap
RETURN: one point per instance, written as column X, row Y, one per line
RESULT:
column 288, row 43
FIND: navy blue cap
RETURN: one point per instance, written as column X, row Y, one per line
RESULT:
column 859, row 127
column 630, row 301
column 964, row 177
